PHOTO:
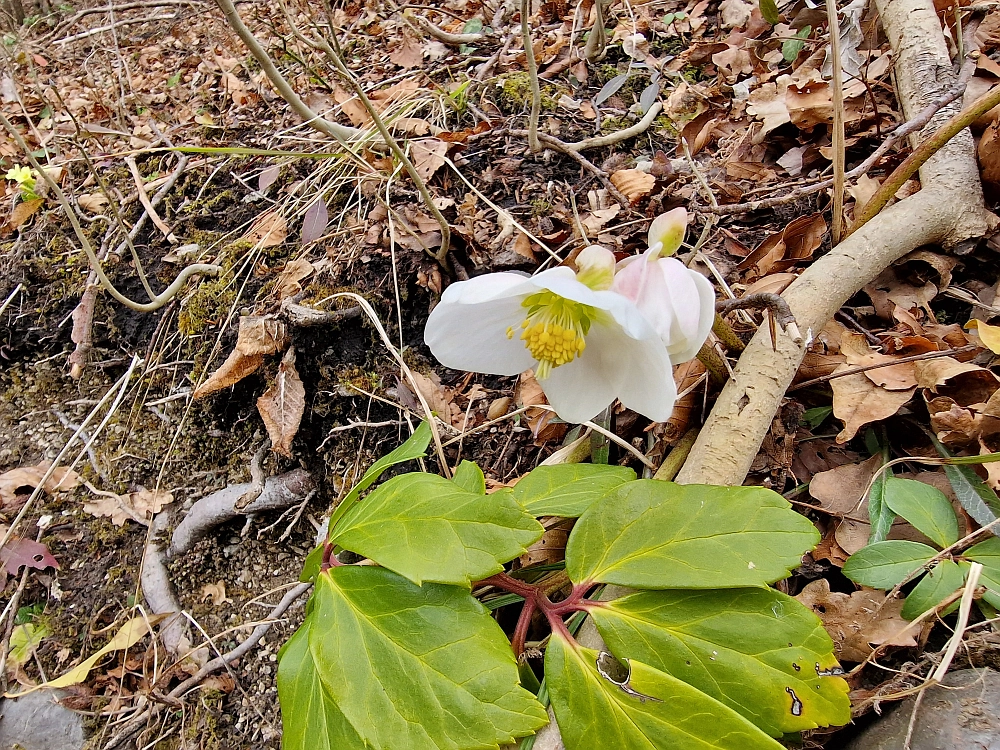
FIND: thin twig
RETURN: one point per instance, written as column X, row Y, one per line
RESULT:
column 536, row 93
column 901, row 360
column 440, row 34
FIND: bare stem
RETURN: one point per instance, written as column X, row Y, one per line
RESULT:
column 536, row 94
column 838, row 122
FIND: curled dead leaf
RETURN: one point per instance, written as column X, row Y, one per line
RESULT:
column 269, row 230
column 634, row 184
column 62, row 479
column 138, row 506
column 282, row 406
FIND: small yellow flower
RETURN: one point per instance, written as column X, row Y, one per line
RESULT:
column 21, row 175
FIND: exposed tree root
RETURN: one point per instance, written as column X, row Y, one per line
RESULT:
column 279, row 492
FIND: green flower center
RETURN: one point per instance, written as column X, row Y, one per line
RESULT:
column 554, row 330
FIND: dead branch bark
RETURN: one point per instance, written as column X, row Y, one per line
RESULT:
column 948, row 211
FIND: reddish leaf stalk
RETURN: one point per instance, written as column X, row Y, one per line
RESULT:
column 535, row 598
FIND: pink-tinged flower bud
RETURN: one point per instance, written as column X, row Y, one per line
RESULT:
column 666, row 233
column 679, row 303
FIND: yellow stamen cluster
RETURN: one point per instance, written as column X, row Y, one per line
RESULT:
column 554, row 330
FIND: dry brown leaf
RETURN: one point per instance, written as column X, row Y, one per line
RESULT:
column 899, row 377
column 782, row 250
column 932, row 373
column 138, row 506
column 530, row 393
column 407, row 53
column 842, row 489
column 351, row 106
column 216, row 592
column 767, row 103
column 21, row 213
column 261, row 335
column 282, row 406
column 269, row 230
column 955, row 426
column 857, row 401
column 989, row 153
column 594, row 221
column 428, row 155
column 93, row 202
column 522, row 246
column 236, row 367
column 551, row 548
column 860, row 621
column 634, row 184
column 62, row 479
column 498, row 407
column 287, row 284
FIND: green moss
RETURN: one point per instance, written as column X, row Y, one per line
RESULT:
column 208, row 306
column 361, row 379
column 541, row 207
column 512, row 94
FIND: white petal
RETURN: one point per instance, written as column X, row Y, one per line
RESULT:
column 579, row 390
column 681, row 294
column 473, row 335
column 486, row 287
column 562, row 281
column 706, row 316
column 648, row 385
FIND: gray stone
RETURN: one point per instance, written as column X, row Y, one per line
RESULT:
column 961, row 714
column 38, row 722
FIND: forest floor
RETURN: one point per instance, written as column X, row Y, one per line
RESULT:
column 98, row 92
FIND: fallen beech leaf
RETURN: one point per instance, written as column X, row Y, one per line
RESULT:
column 530, row 393
column 842, row 489
column 138, row 506
column 127, row 637
column 22, row 212
column 551, row 548
column 955, row 426
column 931, row 373
column 428, row 156
column 989, row 335
column 18, row 553
column 236, row 367
column 216, row 592
column 282, row 406
column 315, row 221
column 859, row 621
column 439, row 399
column 634, row 184
column 899, row 377
column 857, row 401
column 93, row 202
column 269, row 230
column 407, row 54
column 767, row 103
column 594, row 221
column 62, row 479
column 287, row 284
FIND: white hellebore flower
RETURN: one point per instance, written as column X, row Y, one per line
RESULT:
column 587, row 344
column 678, row 302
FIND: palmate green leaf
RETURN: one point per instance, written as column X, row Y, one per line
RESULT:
column 416, row 667
column 568, row 490
column 925, row 507
column 943, row 579
column 415, row 447
column 594, row 712
column 735, row 646
column 658, row 535
column 884, row 564
column 470, row 478
column 309, row 717
column 427, row 528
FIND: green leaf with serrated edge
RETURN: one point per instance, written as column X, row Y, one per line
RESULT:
column 925, row 507
column 884, row 564
column 568, row 490
column 426, row 528
column 735, row 645
column 659, row 535
column 769, row 10
column 593, row 712
column 416, row 667
column 942, row 580
column 312, row 564
column 310, row 719
column 415, row 447
column 880, row 515
column 470, row 478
